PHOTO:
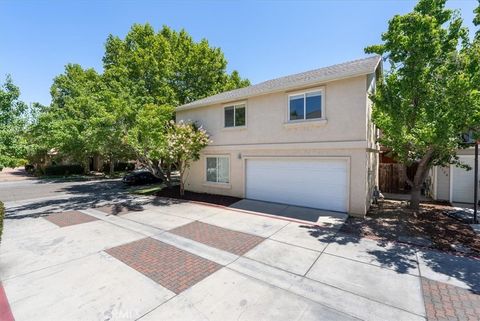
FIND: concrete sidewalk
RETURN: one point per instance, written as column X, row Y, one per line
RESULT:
column 185, row 261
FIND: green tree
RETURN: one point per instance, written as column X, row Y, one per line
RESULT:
column 12, row 125
column 111, row 124
column 37, row 136
column 153, row 72
column 76, row 96
column 148, row 137
column 184, row 141
column 125, row 112
column 425, row 101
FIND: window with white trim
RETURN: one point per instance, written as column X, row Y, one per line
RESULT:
column 305, row 106
column 235, row 115
column 218, row 169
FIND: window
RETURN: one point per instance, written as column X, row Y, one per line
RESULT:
column 468, row 138
column 218, row 169
column 235, row 115
column 305, row 106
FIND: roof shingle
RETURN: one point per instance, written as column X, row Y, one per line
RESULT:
column 339, row 71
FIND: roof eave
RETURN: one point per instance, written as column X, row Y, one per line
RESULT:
column 223, row 101
column 287, row 88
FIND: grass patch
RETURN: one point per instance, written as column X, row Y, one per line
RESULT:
column 146, row 190
column 65, row 178
column 80, row 178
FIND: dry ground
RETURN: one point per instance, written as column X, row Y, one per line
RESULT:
column 393, row 220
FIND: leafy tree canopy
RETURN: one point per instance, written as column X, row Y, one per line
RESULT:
column 125, row 111
column 12, row 125
column 154, row 72
column 167, row 67
column 76, row 98
column 427, row 99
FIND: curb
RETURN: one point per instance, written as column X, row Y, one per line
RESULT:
column 5, row 311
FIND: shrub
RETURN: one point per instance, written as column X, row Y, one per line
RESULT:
column 57, row 170
column 2, row 214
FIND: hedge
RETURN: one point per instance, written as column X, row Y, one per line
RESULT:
column 2, row 214
column 57, row 170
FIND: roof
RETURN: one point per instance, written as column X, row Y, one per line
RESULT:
column 344, row 70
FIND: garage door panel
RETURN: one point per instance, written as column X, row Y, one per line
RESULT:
column 463, row 181
column 313, row 183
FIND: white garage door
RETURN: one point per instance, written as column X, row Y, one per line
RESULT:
column 462, row 181
column 303, row 182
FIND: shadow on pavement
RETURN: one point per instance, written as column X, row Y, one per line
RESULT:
column 433, row 264
column 84, row 196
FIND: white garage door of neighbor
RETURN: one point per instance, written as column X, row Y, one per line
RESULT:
column 462, row 181
column 304, row 182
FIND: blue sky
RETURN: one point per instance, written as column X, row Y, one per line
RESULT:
column 260, row 39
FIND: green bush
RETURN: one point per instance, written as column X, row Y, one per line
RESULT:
column 64, row 170
column 2, row 214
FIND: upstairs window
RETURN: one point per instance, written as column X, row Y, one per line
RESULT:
column 235, row 115
column 305, row 106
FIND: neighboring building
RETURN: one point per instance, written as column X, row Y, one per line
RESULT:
column 305, row 139
column 453, row 183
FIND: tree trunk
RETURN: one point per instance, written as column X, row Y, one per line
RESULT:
column 420, row 175
column 86, row 166
column 112, row 167
column 167, row 176
column 182, row 187
column 415, row 197
column 169, row 173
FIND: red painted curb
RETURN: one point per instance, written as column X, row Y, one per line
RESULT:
column 5, row 311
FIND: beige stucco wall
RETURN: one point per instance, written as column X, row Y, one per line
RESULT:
column 345, row 111
column 346, row 132
column 358, row 179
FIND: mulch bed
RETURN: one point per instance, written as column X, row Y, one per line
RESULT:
column 174, row 192
column 394, row 221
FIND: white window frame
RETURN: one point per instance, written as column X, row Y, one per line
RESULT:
column 206, row 170
column 235, row 105
column 321, row 90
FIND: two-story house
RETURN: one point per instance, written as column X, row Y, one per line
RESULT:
column 305, row 139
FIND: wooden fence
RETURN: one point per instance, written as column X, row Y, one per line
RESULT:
column 392, row 178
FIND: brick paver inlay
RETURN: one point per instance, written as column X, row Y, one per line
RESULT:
column 63, row 219
column 449, row 302
column 174, row 269
column 224, row 239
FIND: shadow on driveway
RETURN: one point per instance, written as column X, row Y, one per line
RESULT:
column 433, row 264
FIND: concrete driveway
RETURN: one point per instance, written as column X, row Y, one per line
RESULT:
column 169, row 260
